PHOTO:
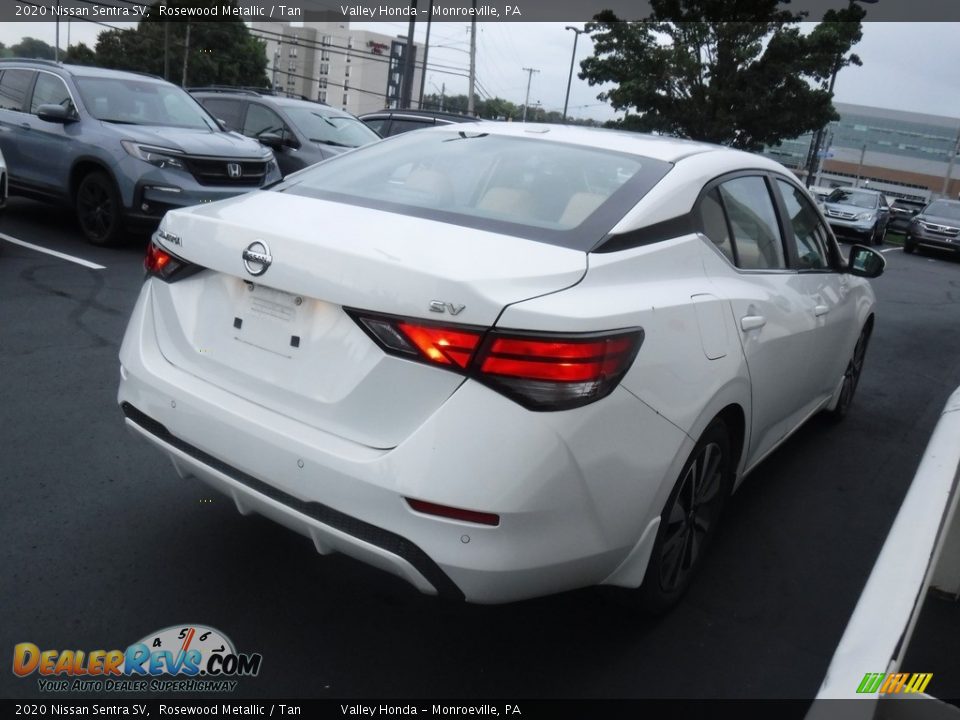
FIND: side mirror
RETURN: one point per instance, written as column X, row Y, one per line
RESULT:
column 865, row 262
column 271, row 140
column 55, row 114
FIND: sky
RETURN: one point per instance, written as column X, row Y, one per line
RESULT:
column 906, row 66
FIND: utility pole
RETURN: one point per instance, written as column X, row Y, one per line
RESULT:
column 573, row 57
column 186, row 56
column 426, row 51
column 406, row 93
column 473, row 59
column 953, row 159
column 530, row 72
column 863, row 151
column 56, row 44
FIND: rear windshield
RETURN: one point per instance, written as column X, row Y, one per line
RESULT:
column 567, row 195
column 944, row 209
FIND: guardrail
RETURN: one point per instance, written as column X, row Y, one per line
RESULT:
column 921, row 551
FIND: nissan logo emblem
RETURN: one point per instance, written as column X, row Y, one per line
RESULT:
column 257, row 258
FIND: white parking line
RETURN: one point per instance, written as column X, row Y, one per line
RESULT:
column 48, row 251
column 890, row 250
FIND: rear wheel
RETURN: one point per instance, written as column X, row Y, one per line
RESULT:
column 689, row 519
column 851, row 377
column 98, row 209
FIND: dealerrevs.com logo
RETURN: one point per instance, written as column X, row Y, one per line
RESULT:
column 181, row 658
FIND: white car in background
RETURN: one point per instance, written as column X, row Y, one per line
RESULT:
column 503, row 360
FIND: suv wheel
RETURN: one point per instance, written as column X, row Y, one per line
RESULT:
column 98, row 209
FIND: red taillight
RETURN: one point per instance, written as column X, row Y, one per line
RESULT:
column 442, row 345
column 165, row 265
column 541, row 371
column 474, row 516
column 156, row 259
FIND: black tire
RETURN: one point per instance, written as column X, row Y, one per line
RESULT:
column 689, row 520
column 879, row 233
column 99, row 209
column 851, row 376
column 909, row 247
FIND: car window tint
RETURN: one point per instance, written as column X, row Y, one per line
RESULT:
column 402, row 126
column 261, row 120
column 50, row 90
column 714, row 223
column 808, row 235
column 755, row 231
column 13, row 88
column 229, row 111
column 376, row 124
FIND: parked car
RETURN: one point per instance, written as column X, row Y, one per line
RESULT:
column 120, row 148
column 393, row 122
column 819, row 193
column 300, row 132
column 512, row 363
column 858, row 213
column 937, row 226
column 902, row 211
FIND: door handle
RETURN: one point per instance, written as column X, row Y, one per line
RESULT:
column 752, row 322
column 820, row 310
column 25, row 126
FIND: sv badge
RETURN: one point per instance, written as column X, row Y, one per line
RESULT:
column 438, row 306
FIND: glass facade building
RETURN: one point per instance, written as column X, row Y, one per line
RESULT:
column 905, row 154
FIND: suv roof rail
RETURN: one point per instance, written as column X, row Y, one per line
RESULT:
column 231, row 89
column 41, row 61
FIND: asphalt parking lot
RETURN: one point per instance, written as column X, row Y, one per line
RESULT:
column 105, row 544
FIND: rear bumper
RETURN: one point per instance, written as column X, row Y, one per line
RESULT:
column 574, row 490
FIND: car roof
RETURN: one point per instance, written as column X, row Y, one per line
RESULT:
column 657, row 147
column 276, row 100
column 77, row 70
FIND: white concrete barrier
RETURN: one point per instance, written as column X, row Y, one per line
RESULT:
column 921, row 551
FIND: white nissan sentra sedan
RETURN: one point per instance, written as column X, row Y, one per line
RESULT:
column 499, row 361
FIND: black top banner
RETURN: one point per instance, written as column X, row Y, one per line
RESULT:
column 438, row 10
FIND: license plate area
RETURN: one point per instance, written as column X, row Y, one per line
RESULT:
column 271, row 320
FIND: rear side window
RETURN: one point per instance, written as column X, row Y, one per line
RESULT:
column 401, row 126
column 50, row 90
column 714, row 223
column 13, row 88
column 753, row 220
column 378, row 125
column 229, row 111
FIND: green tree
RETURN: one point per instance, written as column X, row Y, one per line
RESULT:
column 30, row 47
column 220, row 53
column 80, row 54
column 748, row 81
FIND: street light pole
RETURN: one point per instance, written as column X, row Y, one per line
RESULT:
column 473, row 61
column 953, row 159
column 573, row 57
column 814, row 159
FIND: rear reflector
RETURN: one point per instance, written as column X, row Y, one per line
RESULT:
column 452, row 513
column 541, row 371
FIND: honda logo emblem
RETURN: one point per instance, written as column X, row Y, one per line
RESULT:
column 234, row 170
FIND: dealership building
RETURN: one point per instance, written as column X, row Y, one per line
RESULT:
column 903, row 154
column 356, row 70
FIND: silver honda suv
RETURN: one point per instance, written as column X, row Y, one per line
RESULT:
column 120, row 148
